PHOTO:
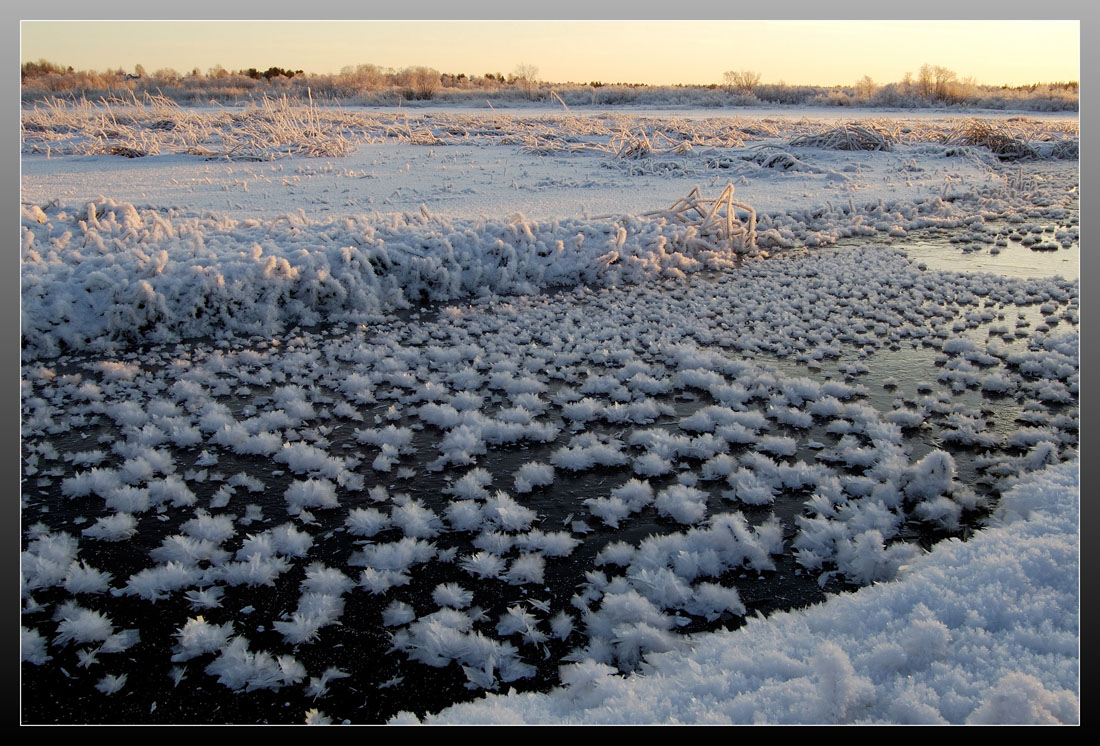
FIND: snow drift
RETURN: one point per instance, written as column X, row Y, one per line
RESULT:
column 985, row 631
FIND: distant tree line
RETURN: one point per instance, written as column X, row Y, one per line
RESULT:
column 414, row 83
column 40, row 68
column 931, row 86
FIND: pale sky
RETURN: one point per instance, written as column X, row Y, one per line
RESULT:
column 652, row 52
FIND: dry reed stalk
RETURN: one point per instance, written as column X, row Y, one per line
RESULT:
column 567, row 111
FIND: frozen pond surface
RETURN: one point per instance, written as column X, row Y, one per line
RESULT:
column 1013, row 260
column 408, row 508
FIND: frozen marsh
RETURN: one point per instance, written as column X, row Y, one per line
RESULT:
column 347, row 415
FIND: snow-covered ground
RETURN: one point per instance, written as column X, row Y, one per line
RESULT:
column 476, row 167
column 985, row 631
column 454, row 405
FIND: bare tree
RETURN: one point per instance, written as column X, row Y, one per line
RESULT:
column 527, row 78
column 926, row 81
column 728, row 78
column 361, row 78
column 907, row 84
column 741, row 80
column 424, row 81
column 944, row 82
column 865, row 88
column 935, row 82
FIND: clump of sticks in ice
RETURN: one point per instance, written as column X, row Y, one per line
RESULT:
column 724, row 219
column 716, row 218
column 638, row 144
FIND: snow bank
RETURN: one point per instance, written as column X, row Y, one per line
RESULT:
column 985, row 631
column 109, row 272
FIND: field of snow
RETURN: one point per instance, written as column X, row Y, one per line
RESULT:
column 346, row 415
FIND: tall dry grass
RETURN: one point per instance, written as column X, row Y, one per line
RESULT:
column 135, row 126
